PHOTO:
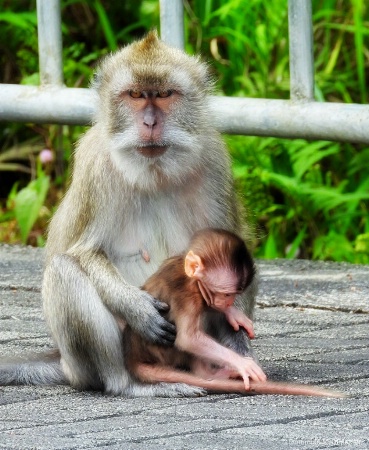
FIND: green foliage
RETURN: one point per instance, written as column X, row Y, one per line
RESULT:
column 23, row 207
column 310, row 210
column 106, row 26
column 28, row 203
column 305, row 199
column 248, row 43
column 18, row 154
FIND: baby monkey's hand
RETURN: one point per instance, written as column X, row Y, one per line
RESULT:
column 248, row 368
column 237, row 319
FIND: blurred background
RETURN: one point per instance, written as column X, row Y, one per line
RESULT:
column 304, row 199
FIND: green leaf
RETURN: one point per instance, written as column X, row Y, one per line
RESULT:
column 21, row 20
column 296, row 244
column 28, row 203
column 105, row 24
column 359, row 46
column 270, row 250
column 362, row 243
column 334, row 247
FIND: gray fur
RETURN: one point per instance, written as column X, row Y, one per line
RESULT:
column 36, row 370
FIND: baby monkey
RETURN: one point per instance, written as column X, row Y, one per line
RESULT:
column 214, row 271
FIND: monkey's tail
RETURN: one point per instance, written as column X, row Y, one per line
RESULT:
column 43, row 369
column 269, row 387
column 274, row 387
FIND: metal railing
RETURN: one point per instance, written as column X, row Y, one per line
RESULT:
column 299, row 117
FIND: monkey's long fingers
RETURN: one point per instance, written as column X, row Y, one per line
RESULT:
column 255, row 372
column 246, row 381
column 152, row 326
column 249, row 327
column 163, row 332
column 169, row 330
column 160, row 306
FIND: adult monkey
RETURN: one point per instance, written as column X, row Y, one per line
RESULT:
column 150, row 172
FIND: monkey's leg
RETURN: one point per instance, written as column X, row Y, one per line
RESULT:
column 85, row 331
column 164, row 389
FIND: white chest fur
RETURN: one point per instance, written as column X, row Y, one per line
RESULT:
column 154, row 229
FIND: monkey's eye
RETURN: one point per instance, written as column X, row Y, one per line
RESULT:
column 165, row 94
column 135, row 94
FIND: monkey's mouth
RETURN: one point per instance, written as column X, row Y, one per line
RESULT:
column 152, row 151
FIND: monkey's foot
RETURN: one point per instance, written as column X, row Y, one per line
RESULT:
column 172, row 390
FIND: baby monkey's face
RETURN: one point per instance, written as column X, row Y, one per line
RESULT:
column 222, row 301
column 219, row 288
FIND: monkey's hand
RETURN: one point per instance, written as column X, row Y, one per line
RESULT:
column 147, row 320
column 248, row 368
column 237, row 319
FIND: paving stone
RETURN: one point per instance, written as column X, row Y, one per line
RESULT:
column 312, row 325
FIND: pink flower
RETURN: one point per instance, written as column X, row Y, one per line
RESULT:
column 46, row 156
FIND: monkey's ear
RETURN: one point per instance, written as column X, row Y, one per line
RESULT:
column 193, row 265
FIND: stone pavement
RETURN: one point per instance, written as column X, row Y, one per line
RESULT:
column 312, row 326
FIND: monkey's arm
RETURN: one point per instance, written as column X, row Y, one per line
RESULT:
column 137, row 307
column 192, row 339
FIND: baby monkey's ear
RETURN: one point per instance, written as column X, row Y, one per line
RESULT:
column 193, row 265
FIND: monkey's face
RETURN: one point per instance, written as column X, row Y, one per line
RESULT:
column 151, row 109
column 150, row 128
column 152, row 147
column 219, row 288
column 153, row 106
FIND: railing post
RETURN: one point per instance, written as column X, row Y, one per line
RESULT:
column 50, row 42
column 301, row 50
column 171, row 22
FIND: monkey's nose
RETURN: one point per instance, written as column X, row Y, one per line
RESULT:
column 150, row 123
column 149, row 118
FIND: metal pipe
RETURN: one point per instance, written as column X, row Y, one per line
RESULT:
column 71, row 106
column 255, row 117
column 301, row 50
column 171, row 22
column 287, row 119
column 50, row 42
